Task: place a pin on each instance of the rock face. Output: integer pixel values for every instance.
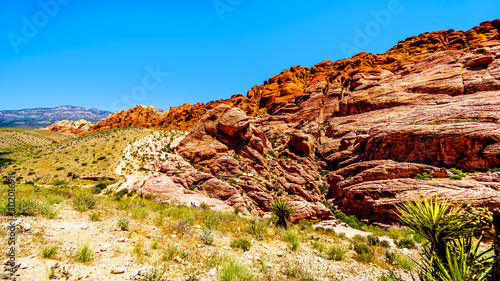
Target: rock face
(354, 133)
(353, 85)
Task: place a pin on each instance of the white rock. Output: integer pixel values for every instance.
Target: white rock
(118, 270)
(23, 265)
(212, 272)
(26, 226)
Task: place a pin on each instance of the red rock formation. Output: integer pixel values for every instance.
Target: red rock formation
(337, 89)
(374, 121)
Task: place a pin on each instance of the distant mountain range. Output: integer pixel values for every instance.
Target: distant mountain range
(42, 117)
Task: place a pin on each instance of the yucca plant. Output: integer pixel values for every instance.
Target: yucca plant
(437, 222)
(451, 254)
(282, 209)
(464, 261)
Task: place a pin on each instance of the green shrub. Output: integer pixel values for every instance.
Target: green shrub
(84, 253)
(373, 240)
(316, 244)
(101, 158)
(123, 223)
(50, 251)
(183, 226)
(385, 243)
(232, 271)
(95, 216)
(406, 243)
(207, 236)
(323, 187)
(306, 225)
(389, 277)
(351, 221)
(212, 219)
(140, 213)
(23, 207)
(423, 176)
(51, 200)
(98, 188)
(293, 239)
(84, 201)
(356, 239)
(119, 195)
(241, 243)
(365, 253)
(59, 168)
(390, 256)
(336, 253)
(153, 273)
(257, 228)
(170, 253)
(48, 211)
(404, 261)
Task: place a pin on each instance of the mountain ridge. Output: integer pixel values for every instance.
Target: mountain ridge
(44, 116)
(280, 92)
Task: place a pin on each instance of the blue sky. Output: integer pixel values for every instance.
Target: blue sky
(112, 54)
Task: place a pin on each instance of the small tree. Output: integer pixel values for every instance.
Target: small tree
(282, 209)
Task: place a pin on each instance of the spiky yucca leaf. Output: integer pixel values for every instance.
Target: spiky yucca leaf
(464, 262)
(437, 222)
(282, 209)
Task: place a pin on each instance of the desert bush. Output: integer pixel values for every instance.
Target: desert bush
(423, 176)
(50, 251)
(170, 253)
(408, 243)
(84, 201)
(98, 188)
(48, 211)
(365, 253)
(123, 223)
(153, 273)
(207, 236)
(336, 253)
(373, 240)
(385, 243)
(24, 207)
(241, 243)
(234, 271)
(95, 216)
(305, 225)
(351, 221)
(316, 244)
(389, 277)
(293, 239)
(84, 253)
(183, 226)
(139, 213)
(282, 209)
(257, 228)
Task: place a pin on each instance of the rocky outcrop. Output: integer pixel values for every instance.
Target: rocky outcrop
(371, 123)
(373, 189)
(416, 70)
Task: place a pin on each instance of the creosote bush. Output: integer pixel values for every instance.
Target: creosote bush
(336, 253)
(84, 201)
(241, 243)
(123, 223)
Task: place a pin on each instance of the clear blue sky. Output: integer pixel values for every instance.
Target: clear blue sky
(97, 53)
